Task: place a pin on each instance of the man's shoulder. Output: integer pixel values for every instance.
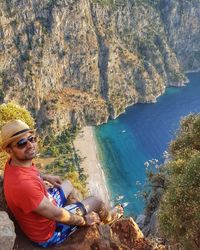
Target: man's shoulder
(20, 179)
(21, 172)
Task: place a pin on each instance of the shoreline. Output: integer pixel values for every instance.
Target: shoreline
(86, 145)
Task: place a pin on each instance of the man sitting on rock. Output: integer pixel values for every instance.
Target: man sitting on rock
(46, 216)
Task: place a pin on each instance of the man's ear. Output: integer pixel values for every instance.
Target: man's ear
(8, 150)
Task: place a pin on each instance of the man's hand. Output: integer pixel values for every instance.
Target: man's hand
(92, 218)
(54, 180)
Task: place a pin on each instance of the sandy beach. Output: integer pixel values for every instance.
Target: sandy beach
(86, 146)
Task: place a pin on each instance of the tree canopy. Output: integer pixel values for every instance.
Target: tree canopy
(12, 111)
(179, 212)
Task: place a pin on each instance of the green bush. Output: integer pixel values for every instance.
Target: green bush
(180, 207)
(179, 211)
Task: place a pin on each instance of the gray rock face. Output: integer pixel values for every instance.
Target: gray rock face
(151, 228)
(7, 232)
(181, 22)
(97, 58)
(140, 220)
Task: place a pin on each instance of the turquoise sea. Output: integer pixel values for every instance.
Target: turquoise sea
(142, 133)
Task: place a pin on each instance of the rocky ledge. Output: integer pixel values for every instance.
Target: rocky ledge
(124, 234)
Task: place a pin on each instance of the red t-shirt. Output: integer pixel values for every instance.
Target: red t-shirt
(24, 190)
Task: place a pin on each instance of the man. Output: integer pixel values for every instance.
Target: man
(42, 214)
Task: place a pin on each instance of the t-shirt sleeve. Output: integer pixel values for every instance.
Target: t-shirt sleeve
(29, 195)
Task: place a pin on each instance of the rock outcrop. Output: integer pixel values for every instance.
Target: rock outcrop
(124, 235)
(181, 18)
(3, 205)
(7, 232)
(83, 62)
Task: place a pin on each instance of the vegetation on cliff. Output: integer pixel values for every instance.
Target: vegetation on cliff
(65, 160)
(179, 214)
(176, 188)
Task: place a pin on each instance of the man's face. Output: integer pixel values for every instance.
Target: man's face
(24, 148)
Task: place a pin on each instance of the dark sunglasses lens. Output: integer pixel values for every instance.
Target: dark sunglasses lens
(32, 139)
(22, 143)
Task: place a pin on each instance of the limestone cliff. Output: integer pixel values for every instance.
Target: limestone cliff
(85, 61)
(181, 23)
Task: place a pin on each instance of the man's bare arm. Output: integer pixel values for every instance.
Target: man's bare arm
(54, 180)
(50, 211)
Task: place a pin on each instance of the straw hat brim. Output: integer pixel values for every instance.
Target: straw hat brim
(13, 138)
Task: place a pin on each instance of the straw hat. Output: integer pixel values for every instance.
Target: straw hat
(13, 130)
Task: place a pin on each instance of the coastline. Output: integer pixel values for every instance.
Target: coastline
(86, 145)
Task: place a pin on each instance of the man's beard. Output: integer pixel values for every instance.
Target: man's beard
(27, 156)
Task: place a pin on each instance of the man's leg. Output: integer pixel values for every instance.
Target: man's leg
(67, 187)
(94, 204)
(69, 191)
(91, 204)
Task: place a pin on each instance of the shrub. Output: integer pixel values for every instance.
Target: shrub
(179, 212)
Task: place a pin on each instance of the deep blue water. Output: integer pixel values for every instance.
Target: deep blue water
(142, 133)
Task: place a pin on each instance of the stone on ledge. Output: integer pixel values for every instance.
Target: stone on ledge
(7, 232)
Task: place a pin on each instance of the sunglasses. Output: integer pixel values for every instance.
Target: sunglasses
(23, 142)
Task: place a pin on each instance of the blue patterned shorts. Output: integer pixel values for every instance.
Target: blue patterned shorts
(62, 231)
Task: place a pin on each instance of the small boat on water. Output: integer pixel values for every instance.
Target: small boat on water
(120, 197)
(125, 204)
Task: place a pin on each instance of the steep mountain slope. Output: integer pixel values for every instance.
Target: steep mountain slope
(101, 56)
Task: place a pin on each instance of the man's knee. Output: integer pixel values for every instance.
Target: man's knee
(93, 203)
(97, 200)
(67, 187)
